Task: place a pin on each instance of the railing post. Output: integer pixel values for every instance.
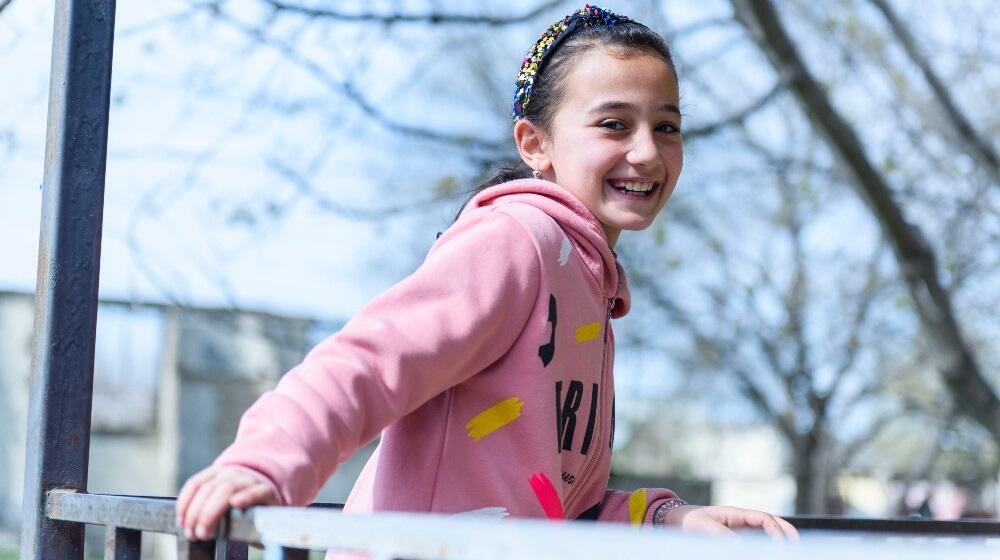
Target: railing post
(275, 552)
(58, 442)
(231, 550)
(122, 544)
(195, 550)
(227, 549)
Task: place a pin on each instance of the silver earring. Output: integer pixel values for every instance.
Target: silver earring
(536, 174)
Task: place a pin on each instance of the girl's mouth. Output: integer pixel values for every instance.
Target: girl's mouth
(638, 189)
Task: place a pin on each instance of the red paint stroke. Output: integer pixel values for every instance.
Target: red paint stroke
(547, 496)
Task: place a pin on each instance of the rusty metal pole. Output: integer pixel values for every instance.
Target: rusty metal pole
(69, 251)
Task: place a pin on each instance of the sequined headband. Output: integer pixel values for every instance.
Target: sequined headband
(586, 16)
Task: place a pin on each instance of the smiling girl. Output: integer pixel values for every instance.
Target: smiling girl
(488, 372)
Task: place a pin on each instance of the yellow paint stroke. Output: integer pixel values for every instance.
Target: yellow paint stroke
(588, 332)
(637, 506)
(494, 418)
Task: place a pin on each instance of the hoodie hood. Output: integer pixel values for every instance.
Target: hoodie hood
(577, 221)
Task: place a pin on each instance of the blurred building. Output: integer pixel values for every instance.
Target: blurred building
(743, 466)
(748, 466)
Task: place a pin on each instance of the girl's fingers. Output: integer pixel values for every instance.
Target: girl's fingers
(200, 488)
(711, 527)
(771, 528)
(189, 491)
(194, 508)
(790, 531)
(214, 507)
(772, 525)
(722, 521)
(257, 494)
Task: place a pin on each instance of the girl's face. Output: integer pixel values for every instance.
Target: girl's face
(615, 140)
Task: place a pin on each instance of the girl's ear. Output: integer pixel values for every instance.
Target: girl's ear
(532, 144)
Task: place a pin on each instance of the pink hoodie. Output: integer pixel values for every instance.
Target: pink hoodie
(489, 370)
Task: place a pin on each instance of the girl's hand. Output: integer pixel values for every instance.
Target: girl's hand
(208, 495)
(721, 520)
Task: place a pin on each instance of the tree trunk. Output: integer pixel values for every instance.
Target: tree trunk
(953, 358)
(804, 480)
(811, 482)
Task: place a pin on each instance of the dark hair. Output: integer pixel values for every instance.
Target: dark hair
(625, 39)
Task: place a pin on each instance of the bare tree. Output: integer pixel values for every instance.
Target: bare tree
(955, 359)
(758, 331)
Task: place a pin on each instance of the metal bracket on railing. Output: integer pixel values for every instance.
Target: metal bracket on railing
(122, 544)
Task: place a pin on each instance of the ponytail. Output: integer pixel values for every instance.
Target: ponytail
(499, 173)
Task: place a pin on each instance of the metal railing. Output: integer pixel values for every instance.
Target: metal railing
(289, 533)
(125, 518)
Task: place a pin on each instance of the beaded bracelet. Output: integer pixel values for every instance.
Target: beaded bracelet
(660, 515)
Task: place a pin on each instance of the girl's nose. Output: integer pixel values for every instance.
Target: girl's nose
(644, 152)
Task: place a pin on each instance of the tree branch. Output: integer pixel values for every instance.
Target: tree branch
(721, 356)
(797, 294)
(782, 420)
(432, 18)
(980, 148)
(304, 187)
(952, 355)
(865, 299)
(738, 117)
(858, 444)
(348, 90)
(692, 28)
(145, 26)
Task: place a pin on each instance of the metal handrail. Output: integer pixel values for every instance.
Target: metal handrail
(127, 517)
(287, 532)
(902, 526)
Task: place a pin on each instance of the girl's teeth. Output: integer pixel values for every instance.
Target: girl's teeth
(636, 187)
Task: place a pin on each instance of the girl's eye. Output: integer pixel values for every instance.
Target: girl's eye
(613, 125)
(669, 128)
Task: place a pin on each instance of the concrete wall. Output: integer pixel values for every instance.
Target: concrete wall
(16, 324)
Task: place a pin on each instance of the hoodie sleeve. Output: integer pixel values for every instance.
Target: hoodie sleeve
(458, 313)
(636, 508)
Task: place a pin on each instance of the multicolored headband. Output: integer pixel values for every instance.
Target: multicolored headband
(556, 33)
